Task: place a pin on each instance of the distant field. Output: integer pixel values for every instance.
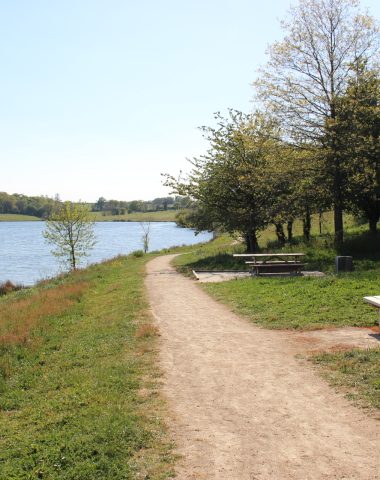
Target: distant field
(164, 216)
(11, 217)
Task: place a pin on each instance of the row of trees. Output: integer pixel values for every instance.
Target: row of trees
(313, 142)
(43, 206)
(22, 204)
(117, 207)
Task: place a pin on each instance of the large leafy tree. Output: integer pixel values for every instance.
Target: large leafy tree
(357, 129)
(309, 70)
(231, 183)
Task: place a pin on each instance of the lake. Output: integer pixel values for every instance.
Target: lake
(25, 256)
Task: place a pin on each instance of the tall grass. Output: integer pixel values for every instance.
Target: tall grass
(19, 316)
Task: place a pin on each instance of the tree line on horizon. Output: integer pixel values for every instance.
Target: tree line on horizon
(43, 206)
(312, 143)
(120, 207)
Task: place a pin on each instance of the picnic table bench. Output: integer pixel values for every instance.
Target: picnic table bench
(266, 263)
(375, 302)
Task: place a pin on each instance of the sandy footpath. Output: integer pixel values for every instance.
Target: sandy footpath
(243, 406)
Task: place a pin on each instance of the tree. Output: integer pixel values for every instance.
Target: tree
(99, 204)
(357, 129)
(71, 230)
(145, 227)
(309, 69)
(231, 183)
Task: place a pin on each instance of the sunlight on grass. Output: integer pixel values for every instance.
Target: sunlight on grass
(356, 370)
(71, 401)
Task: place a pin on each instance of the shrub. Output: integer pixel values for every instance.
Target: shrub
(9, 287)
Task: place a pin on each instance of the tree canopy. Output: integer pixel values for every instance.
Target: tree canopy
(70, 230)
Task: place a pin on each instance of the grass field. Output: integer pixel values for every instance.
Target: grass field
(9, 217)
(297, 302)
(78, 379)
(164, 216)
(301, 303)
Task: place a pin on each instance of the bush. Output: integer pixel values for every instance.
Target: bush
(9, 287)
(138, 253)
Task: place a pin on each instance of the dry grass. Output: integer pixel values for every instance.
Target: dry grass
(19, 316)
(147, 330)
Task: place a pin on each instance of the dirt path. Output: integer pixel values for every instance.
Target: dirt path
(243, 406)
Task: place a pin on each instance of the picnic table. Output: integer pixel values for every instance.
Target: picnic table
(375, 302)
(264, 263)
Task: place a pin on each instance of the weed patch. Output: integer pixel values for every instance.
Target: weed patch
(356, 371)
(147, 330)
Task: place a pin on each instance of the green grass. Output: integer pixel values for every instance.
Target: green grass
(215, 255)
(12, 217)
(355, 371)
(301, 303)
(297, 302)
(164, 216)
(78, 390)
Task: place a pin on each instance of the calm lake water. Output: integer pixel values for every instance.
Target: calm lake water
(25, 256)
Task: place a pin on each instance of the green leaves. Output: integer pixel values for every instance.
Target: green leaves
(71, 230)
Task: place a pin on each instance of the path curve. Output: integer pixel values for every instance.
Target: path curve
(243, 406)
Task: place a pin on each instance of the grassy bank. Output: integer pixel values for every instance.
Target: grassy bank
(10, 217)
(163, 216)
(78, 379)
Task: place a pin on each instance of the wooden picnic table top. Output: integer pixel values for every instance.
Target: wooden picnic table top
(375, 300)
(258, 255)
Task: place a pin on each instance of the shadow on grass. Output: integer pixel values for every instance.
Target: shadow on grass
(320, 251)
(319, 254)
(220, 261)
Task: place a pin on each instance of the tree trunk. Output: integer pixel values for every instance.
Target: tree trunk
(280, 234)
(251, 242)
(320, 218)
(289, 227)
(338, 203)
(338, 226)
(307, 225)
(73, 260)
(372, 221)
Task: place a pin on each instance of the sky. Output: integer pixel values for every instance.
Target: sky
(99, 97)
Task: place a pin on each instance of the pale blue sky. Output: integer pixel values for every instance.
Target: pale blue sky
(98, 97)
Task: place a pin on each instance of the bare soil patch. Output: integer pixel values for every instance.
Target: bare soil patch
(336, 339)
(244, 407)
